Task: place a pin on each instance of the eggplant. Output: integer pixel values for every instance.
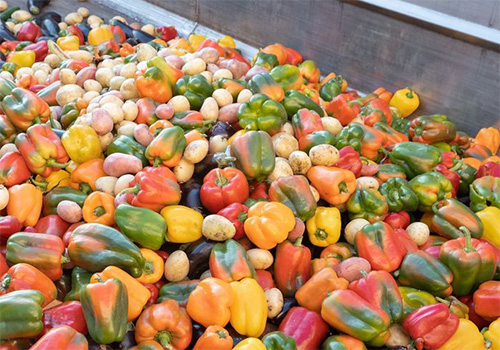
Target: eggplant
(191, 195)
(46, 38)
(50, 27)
(198, 253)
(2, 56)
(221, 128)
(63, 286)
(142, 37)
(202, 168)
(5, 33)
(85, 30)
(288, 303)
(128, 30)
(35, 6)
(52, 15)
(132, 41)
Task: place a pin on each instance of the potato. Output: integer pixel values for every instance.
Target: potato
(274, 299)
(148, 28)
(128, 89)
(325, 154)
(52, 60)
(229, 113)
(179, 103)
(123, 183)
(236, 67)
(3, 5)
(367, 182)
(21, 16)
(145, 52)
(315, 193)
(67, 76)
(299, 162)
(287, 128)
(184, 171)
(222, 73)
(92, 85)
(194, 66)
(114, 110)
(351, 268)
(103, 76)
(205, 275)
(118, 164)
(418, 232)
(218, 143)
(116, 83)
(210, 55)
(83, 11)
(164, 111)
(176, 266)
(210, 109)
(69, 211)
(260, 259)
(126, 128)
(102, 122)
(398, 337)
(244, 96)
(208, 75)
(217, 228)
(223, 97)
(105, 140)
(284, 144)
(352, 229)
(80, 55)
(128, 70)
(196, 151)
(332, 125)
(68, 93)
(297, 231)
(142, 134)
(281, 168)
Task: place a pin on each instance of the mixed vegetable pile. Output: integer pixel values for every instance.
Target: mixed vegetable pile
(160, 192)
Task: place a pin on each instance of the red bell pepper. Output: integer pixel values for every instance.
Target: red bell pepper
(147, 108)
(75, 30)
(236, 213)
(398, 220)
(344, 108)
(259, 190)
(305, 122)
(62, 337)
(24, 108)
(306, 327)
(293, 56)
(486, 300)
(3, 265)
(292, 266)
(8, 226)
(405, 240)
(265, 279)
(473, 316)
(29, 32)
(153, 289)
(13, 169)
(430, 326)
(488, 169)
(349, 159)
(52, 225)
(222, 187)
(69, 313)
(212, 44)
(376, 110)
(452, 176)
(41, 49)
(118, 34)
(166, 33)
(69, 231)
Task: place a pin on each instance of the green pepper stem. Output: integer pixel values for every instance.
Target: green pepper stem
(320, 234)
(157, 162)
(343, 187)
(85, 188)
(220, 181)
(242, 216)
(148, 268)
(64, 260)
(51, 163)
(363, 273)
(221, 334)
(99, 211)
(468, 239)
(444, 301)
(409, 94)
(134, 189)
(298, 242)
(435, 206)
(165, 339)
(42, 184)
(6, 282)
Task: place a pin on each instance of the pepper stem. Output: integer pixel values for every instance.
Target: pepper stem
(221, 334)
(320, 234)
(343, 187)
(148, 268)
(444, 301)
(242, 216)
(165, 339)
(99, 211)
(436, 206)
(157, 162)
(85, 188)
(220, 181)
(409, 94)
(6, 282)
(363, 273)
(51, 163)
(42, 184)
(468, 239)
(64, 260)
(298, 242)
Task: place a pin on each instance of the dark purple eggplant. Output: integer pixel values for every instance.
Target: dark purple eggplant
(35, 6)
(221, 128)
(50, 27)
(2, 56)
(191, 195)
(198, 253)
(288, 303)
(52, 15)
(85, 30)
(46, 38)
(63, 286)
(5, 33)
(202, 168)
(132, 41)
(142, 37)
(128, 30)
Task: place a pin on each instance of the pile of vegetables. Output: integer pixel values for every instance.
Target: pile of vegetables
(160, 192)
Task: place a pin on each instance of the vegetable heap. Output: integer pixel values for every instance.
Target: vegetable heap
(160, 192)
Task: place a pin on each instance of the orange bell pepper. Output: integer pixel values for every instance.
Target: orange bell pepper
(383, 94)
(25, 203)
(335, 185)
(159, 125)
(194, 135)
(268, 223)
(99, 208)
(126, 50)
(278, 50)
(473, 162)
(318, 287)
(85, 175)
(489, 137)
(214, 338)
(210, 302)
(153, 269)
(321, 263)
(138, 295)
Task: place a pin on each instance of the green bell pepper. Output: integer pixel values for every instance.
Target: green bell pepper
(295, 193)
(331, 89)
(432, 128)
(431, 187)
(79, 278)
(485, 192)
(59, 194)
(279, 341)
(401, 125)
(414, 298)
(254, 153)
(7, 131)
(266, 60)
(287, 76)
(69, 113)
(263, 83)
(399, 195)
(450, 215)
(6, 87)
(351, 135)
(367, 204)
(195, 88)
(387, 171)
(21, 314)
(415, 158)
(316, 138)
(127, 145)
(141, 225)
(467, 175)
(262, 113)
(295, 100)
(178, 291)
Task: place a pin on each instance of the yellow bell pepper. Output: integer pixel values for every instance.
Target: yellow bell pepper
(249, 310)
(250, 344)
(138, 295)
(489, 218)
(406, 101)
(183, 223)
(58, 178)
(492, 335)
(99, 35)
(324, 227)
(181, 44)
(236, 134)
(82, 143)
(69, 43)
(467, 337)
(195, 40)
(227, 41)
(22, 58)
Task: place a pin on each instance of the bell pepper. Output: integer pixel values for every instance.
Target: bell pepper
(471, 261)
(93, 247)
(250, 344)
(13, 169)
(254, 153)
(79, 278)
(69, 314)
(81, 143)
(350, 136)
(68, 43)
(452, 176)
(214, 338)
(379, 244)
(189, 120)
(8, 226)
(467, 175)
(263, 83)
(316, 138)
(137, 294)
(229, 262)
(236, 213)
(62, 337)
(25, 203)
(99, 207)
(431, 187)
(450, 215)
(183, 223)
(318, 287)
(69, 113)
(305, 122)
(178, 291)
(430, 326)
(7, 130)
(376, 111)
(332, 88)
(489, 137)
(343, 342)
(287, 76)
(392, 136)
(335, 185)
(222, 187)
(414, 298)
(127, 145)
(106, 317)
(488, 169)
(399, 195)
(210, 302)
(296, 100)
(6, 87)
(24, 108)
(307, 328)
(457, 307)
(324, 227)
(154, 84)
(154, 267)
(293, 57)
(85, 175)
(266, 60)
(57, 195)
(310, 72)
(349, 160)
(343, 107)
(486, 300)
(234, 86)
(415, 158)
(492, 335)
(388, 171)
(371, 142)
(42, 251)
(380, 289)
(249, 310)
(485, 192)
(279, 341)
(195, 88)
(349, 313)
(477, 151)
(421, 270)
(167, 147)
(294, 192)
(166, 323)
(292, 266)
(59, 178)
(22, 58)
(406, 101)
(21, 314)
(489, 218)
(268, 223)
(368, 204)
(432, 128)
(262, 113)
(27, 277)
(466, 337)
(141, 225)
